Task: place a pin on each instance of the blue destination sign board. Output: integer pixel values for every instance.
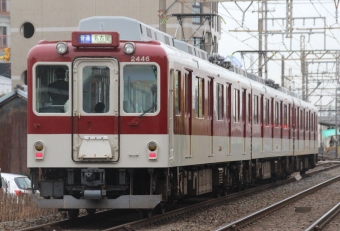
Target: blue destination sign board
(94, 38)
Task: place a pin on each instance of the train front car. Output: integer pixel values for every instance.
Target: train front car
(97, 106)
(125, 116)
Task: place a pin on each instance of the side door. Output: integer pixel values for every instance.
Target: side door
(95, 111)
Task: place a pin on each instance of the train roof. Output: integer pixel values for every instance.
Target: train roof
(131, 29)
(262, 88)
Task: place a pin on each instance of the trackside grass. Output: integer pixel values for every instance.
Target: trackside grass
(15, 208)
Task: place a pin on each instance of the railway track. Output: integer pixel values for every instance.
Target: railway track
(270, 209)
(161, 218)
(323, 221)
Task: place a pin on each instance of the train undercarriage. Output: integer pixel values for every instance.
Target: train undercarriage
(146, 189)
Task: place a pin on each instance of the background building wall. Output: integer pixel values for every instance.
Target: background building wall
(55, 20)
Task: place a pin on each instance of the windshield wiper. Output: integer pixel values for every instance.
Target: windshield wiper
(147, 110)
(154, 97)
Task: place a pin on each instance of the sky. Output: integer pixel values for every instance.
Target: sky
(307, 14)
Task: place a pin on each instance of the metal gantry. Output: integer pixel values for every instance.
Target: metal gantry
(317, 85)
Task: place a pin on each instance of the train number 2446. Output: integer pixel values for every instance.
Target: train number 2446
(140, 58)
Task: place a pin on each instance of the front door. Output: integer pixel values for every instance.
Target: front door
(95, 110)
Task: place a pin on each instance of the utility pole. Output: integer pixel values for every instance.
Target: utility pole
(336, 121)
(337, 104)
(283, 71)
(265, 39)
(260, 30)
(289, 19)
(162, 15)
(304, 68)
(288, 31)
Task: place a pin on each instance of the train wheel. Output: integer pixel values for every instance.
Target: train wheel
(218, 192)
(161, 208)
(246, 186)
(91, 211)
(303, 172)
(239, 188)
(147, 213)
(73, 213)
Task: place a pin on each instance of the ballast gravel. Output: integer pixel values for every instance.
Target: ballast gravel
(286, 219)
(297, 216)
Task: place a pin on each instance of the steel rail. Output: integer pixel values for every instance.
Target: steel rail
(325, 219)
(274, 207)
(200, 206)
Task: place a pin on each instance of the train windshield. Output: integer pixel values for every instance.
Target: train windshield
(52, 88)
(140, 89)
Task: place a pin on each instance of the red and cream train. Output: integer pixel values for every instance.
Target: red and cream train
(173, 123)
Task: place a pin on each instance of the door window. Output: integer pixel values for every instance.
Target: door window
(96, 89)
(199, 97)
(219, 90)
(177, 91)
(236, 105)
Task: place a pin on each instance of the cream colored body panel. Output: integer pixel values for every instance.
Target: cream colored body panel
(133, 152)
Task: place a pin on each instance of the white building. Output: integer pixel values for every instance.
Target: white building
(5, 85)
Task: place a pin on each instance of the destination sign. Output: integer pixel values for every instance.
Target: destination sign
(95, 39)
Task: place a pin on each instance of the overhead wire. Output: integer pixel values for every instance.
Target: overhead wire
(253, 36)
(330, 30)
(334, 37)
(309, 43)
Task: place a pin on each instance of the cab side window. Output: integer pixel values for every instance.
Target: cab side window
(51, 88)
(140, 89)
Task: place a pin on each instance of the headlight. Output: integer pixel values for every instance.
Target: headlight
(39, 150)
(152, 146)
(61, 47)
(129, 48)
(39, 146)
